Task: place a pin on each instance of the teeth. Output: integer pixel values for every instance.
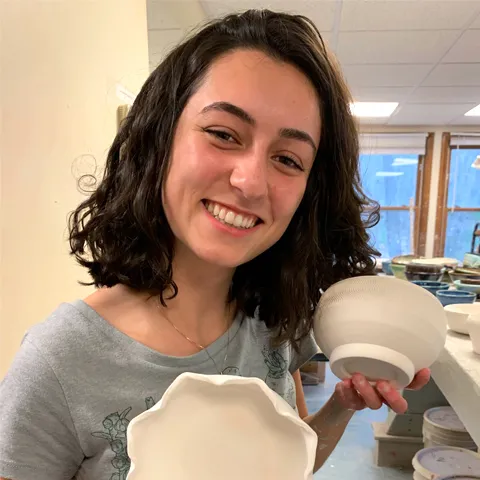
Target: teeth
(229, 217)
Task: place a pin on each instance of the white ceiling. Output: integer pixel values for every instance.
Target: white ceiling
(424, 54)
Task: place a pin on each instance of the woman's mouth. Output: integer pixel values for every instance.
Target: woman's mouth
(229, 217)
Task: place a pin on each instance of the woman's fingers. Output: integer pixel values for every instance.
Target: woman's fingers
(421, 379)
(366, 391)
(392, 396)
(348, 395)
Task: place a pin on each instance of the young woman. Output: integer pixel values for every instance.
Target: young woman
(231, 196)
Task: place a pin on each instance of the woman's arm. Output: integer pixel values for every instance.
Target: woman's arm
(328, 423)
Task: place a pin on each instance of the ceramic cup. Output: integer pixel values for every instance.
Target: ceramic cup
(449, 297)
(432, 287)
(473, 326)
(382, 327)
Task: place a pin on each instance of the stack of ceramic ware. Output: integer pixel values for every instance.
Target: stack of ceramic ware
(426, 272)
(446, 462)
(364, 325)
(441, 426)
(399, 263)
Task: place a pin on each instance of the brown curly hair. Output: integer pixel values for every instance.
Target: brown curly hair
(121, 234)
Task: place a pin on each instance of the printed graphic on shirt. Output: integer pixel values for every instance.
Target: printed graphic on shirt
(277, 377)
(115, 432)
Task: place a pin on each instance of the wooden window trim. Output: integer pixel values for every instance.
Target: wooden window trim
(441, 218)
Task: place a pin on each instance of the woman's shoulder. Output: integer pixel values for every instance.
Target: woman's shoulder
(67, 329)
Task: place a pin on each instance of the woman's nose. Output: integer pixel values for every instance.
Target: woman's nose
(249, 176)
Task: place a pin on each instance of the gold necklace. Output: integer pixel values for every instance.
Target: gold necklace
(202, 347)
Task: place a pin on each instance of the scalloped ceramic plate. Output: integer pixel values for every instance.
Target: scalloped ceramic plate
(213, 427)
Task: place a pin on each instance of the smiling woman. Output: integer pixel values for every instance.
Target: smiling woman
(230, 199)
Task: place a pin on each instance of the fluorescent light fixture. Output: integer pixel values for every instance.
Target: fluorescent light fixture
(400, 162)
(373, 109)
(476, 163)
(474, 112)
(389, 174)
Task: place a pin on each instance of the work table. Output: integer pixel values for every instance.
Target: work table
(457, 375)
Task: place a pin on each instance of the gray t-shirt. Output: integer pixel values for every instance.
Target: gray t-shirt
(77, 382)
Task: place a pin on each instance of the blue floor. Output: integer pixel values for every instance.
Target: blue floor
(354, 456)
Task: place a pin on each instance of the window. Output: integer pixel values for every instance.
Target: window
(459, 202)
(392, 173)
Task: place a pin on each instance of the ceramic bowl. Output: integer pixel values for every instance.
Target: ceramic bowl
(398, 271)
(456, 275)
(469, 271)
(471, 260)
(438, 261)
(365, 325)
(387, 267)
(432, 287)
(449, 297)
(473, 327)
(404, 259)
(473, 288)
(423, 276)
(213, 427)
(457, 316)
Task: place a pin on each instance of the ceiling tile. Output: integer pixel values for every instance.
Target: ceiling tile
(467, 48)
(445, 95)
(463, 120)
(380, 94)
(428, 114)
(455, 75)
(321, 12)
(413, 15)
(385, 75)
(394, 47)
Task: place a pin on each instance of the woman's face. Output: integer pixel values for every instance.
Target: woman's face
(242, 152)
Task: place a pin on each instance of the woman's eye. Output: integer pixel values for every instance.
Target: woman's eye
(289, 162)
(221, 135)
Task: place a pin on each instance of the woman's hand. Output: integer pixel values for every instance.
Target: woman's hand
(356, 393)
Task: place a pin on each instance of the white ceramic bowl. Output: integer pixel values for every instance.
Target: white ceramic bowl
(213, 427)
(457, 315)
(473, 326)
(382, 327)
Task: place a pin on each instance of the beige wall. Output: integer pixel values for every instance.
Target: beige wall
(60, 64)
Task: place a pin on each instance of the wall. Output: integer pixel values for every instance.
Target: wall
(59, 69)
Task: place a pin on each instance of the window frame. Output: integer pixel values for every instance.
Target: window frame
(442, 197)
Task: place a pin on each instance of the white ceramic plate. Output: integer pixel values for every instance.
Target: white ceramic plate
(214, 427)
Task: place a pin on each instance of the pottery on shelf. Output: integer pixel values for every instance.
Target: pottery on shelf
(213, 427)
(423, 276)
(438, 261)
(382, 327)
(404, 259)
(459, 275)
(437, 462)
(457, 316)
(387, 267)
(473, 327)
(449, 297)
(471, 260)
(468, 287)
(398, 270)
(432, 287)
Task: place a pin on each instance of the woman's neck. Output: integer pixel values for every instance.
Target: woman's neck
(202, 299)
